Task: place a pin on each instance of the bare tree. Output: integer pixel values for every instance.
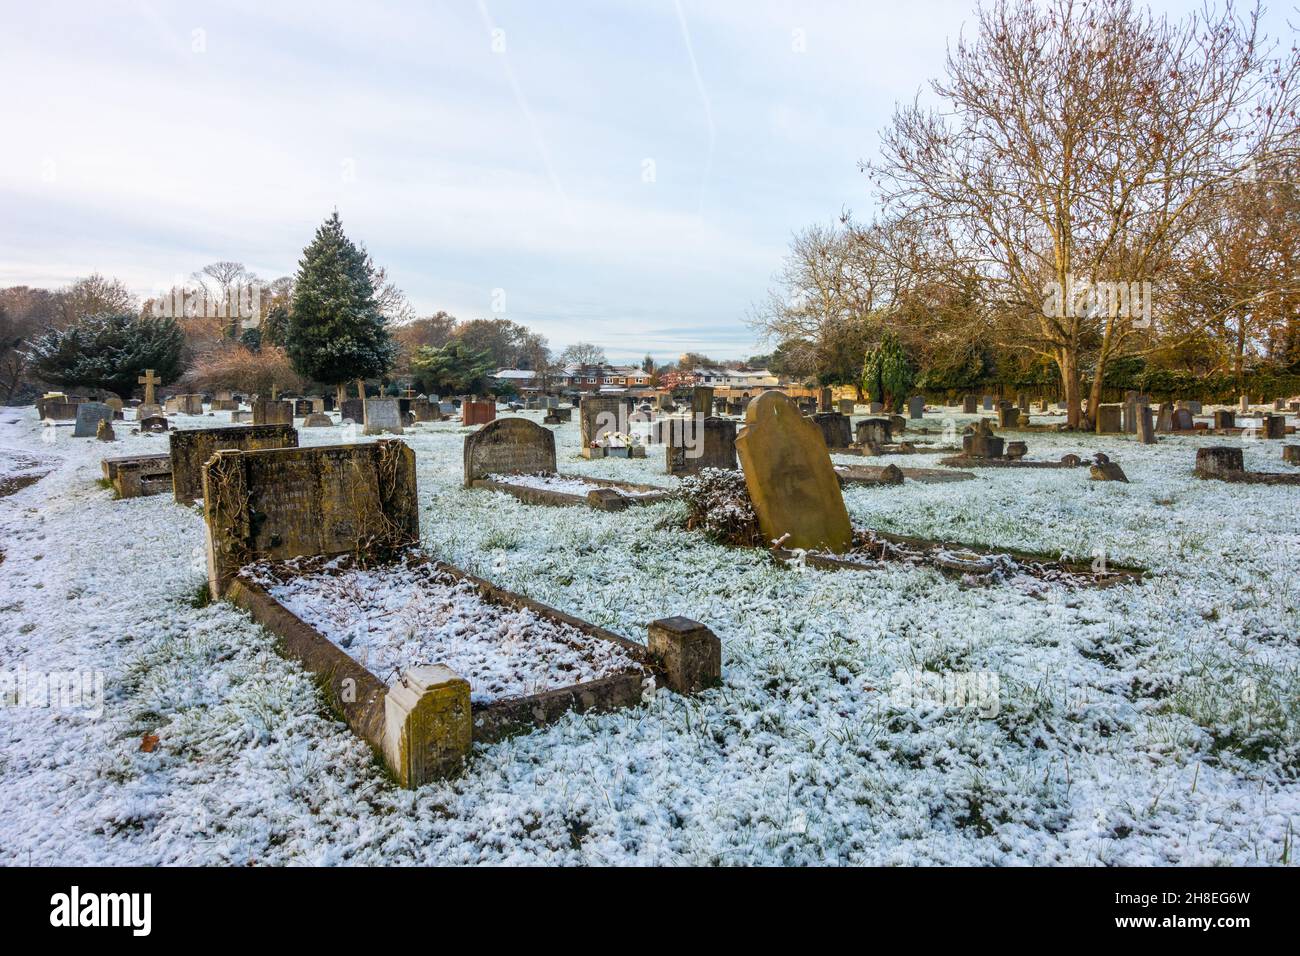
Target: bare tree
(582, 353)
(1077, 143)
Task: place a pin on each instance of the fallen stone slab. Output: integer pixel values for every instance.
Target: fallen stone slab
(873, 474)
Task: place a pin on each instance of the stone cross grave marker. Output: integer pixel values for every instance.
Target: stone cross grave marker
(790, 478)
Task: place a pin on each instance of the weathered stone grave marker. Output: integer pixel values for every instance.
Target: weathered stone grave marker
(282, 503)
(790, 478)
(382, 415)
(89, 415)
(509, 446)
(190, 448)
(714, 445)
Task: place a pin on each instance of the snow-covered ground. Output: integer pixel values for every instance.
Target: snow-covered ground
(1143, 725)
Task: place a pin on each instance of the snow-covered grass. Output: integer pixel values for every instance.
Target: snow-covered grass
(1144, 725)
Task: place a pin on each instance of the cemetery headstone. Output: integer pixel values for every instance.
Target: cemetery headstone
(318, 420)
(268, 412)
(509, 446)
(969, 405)
(980, 442)
(334, 499)
(988, 403)
(1224, 418)
(149, 407)
(1219, 461)
(1108, 419)
(1274, 426)
(847, 406)
(714, 445)
(191, 447)
(1146, 428)
(1182, 419)
(353, 410)
(1008, 416)
(874, 431)
(1165, 422)
(601, 415)
(89, 415)
(477, 413)
(154, 423)
(701, 400)
(916, 407)
(383, 415)
(791, 482)
(836, 430)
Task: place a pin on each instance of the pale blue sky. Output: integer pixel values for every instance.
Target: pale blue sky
(146, 139)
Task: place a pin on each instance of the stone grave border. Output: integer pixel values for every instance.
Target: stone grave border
(682, 655)
(138, 476)
(593, 498)
(1117, 573)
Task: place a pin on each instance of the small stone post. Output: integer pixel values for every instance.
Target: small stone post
(428, 729)
(687, 652)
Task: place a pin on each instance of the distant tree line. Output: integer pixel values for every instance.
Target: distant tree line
(1089, 196)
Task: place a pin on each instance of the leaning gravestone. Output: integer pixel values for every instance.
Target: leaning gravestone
(791, 481)
(383, 415)
(191, 447)
(89, 415)
(836, 429)
(282, 503)
(509, 446)
(714, 445)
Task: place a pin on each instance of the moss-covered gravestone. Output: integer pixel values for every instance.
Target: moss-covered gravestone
(191, 447)
(790, 478)
(285, 503)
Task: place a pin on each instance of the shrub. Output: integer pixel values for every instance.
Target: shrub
(717, 503)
